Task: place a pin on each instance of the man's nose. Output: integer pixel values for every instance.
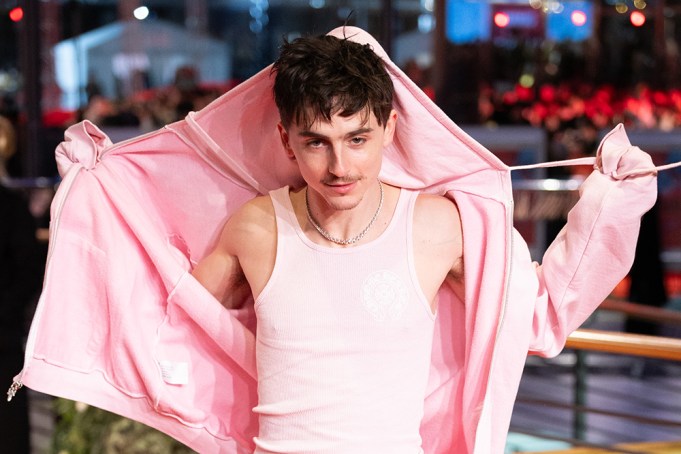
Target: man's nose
(337, 162)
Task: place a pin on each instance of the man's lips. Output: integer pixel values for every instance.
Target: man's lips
(341, 188)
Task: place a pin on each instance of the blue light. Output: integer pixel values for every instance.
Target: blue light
(559, 26)
(467, 21)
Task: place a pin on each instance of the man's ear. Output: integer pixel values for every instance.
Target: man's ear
(390, 128)
(283, 135)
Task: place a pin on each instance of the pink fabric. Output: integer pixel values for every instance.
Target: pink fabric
(123, 326)
(343, 342)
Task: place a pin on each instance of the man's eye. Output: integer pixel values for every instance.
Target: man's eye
(314, 143)
(358, 140)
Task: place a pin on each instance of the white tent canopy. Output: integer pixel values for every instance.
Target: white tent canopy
(113, 55)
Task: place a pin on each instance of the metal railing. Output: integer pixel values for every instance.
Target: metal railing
(586, 341)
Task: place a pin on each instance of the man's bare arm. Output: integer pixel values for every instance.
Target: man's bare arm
(438, 243)
(221, 273)
(243, 259)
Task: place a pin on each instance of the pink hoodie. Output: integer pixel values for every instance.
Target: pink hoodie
(122, 325)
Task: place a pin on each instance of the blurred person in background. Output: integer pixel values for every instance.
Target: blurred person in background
(647, 273)
(19, 282)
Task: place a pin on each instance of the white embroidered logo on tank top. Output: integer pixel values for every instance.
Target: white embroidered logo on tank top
(384, 295)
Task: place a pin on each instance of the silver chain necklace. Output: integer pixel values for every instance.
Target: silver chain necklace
(341, 241)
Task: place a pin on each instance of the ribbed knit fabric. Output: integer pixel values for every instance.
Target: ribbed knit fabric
(343, 342)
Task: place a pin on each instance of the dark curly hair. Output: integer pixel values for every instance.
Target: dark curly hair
(317, 77)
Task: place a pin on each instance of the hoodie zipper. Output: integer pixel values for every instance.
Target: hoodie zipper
(509, 207)
(64, 189)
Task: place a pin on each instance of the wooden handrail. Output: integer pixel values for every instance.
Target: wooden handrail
(642, 311)
(625, 344)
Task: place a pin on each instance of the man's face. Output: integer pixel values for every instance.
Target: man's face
(340, 159)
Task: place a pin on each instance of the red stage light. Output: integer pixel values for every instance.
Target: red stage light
(637, 18)
(16, 14)
(501, 20)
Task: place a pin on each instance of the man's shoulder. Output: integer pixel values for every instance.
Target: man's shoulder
(259, 207)
(253, 219)
(436, 205)
(262, 203)
(436, 215)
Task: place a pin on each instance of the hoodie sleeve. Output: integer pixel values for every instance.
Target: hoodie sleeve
(595, 249)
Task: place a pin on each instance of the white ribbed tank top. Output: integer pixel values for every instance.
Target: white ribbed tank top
(343, 342)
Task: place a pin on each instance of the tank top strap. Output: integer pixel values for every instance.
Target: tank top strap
(283, 211)
(403, 216)
(406, 203)
(409, 202)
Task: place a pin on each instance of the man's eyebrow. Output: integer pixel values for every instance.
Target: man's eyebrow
(316, 135)
(308, 133)
(359, 131)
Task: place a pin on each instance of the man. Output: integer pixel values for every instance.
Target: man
(354, 372)
(343, 331)
(331, 379)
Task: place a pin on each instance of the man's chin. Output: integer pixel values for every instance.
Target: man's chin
(342, 203)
